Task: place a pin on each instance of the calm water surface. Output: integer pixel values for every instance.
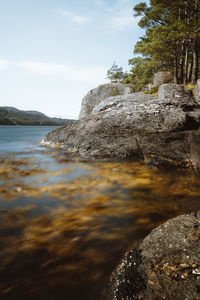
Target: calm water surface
(66, 222)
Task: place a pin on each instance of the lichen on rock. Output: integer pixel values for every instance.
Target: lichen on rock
(95, 96)
(165, 265)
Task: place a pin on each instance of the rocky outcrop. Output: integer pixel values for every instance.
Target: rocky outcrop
(197, 91)
(161, 130)
(165, 265)
(95, 96)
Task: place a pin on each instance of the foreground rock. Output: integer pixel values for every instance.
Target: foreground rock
(161, 130)
(165, 265)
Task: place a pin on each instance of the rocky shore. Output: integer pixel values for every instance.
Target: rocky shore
(160, 129)
(165, 265)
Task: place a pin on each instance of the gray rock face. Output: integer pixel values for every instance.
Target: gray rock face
(161, 78)
(165, 265)
(163, 130)
(94, 97)
(197, 91)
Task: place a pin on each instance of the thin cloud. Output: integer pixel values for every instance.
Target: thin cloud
(122, 22)
(101, 3)
(119, 17)
(5, 64)
(94, 74)
(42, 68)
(72, 17)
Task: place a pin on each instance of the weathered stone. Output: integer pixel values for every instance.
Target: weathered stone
(177, 95)
(95, 96)
(137, 126)
(165, 265)
(197, 91)
(161, 78)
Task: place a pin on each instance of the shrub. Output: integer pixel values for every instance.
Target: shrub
(115, 92)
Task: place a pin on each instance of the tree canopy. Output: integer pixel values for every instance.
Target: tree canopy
(115, 73)
(171, 43)
(172, 37)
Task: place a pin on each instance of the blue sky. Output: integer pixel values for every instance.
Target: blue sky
(54, 51)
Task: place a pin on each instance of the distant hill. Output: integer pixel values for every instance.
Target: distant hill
(13, 116)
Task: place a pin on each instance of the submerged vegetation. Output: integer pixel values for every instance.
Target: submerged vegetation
(67, 219)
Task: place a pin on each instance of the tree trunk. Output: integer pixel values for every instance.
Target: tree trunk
(181, 62)
(195, 71)
(176, 66)
(190, 69)
(186, 64)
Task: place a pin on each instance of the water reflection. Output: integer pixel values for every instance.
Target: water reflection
(65, 223)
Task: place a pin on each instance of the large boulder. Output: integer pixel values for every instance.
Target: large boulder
(162, 77)
(160, 130)
(159, 79)
(95, 96)
(165, 265)
(197, 91)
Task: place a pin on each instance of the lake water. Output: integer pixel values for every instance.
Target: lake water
(66, 222)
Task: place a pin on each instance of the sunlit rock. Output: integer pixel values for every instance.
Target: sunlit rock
(157, 129)
(95, 96)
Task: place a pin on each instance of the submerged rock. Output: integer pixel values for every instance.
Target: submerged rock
(165, 265)
(161, 130)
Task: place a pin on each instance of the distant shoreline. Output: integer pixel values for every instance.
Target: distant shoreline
(18, 125)
(11, 116)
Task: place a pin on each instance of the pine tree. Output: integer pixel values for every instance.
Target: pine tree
(172, 36)
(115, 73)
(140, 74)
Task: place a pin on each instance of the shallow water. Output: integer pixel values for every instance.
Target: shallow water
(66, 222)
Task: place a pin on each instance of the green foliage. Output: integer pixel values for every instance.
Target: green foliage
(13, 116)
(115, 92)
(141, 73)
(171, 43)
(115, 73)
(172, 36)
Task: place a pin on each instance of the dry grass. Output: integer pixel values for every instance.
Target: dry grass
(190, 86)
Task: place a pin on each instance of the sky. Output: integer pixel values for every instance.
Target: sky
(54, 51)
